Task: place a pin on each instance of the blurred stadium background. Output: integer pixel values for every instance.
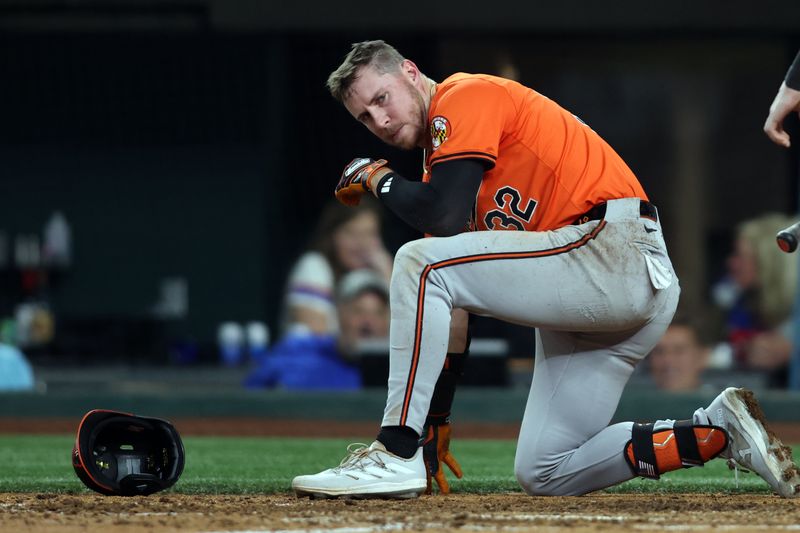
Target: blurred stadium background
(189, 145)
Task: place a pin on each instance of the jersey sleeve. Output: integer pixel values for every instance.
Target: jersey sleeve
(468, 122)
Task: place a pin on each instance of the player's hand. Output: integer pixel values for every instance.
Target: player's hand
(435, 451)
(357, 178)
(786, 101)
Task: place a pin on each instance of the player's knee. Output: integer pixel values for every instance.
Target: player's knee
(410, 258)
(534, 484)
(527, 480)
(534, 478)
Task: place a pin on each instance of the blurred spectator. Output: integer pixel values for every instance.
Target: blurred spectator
(345, 239)
(327, 360)
(363, 310)
(678, 360)
(757, 296)
(16, 373)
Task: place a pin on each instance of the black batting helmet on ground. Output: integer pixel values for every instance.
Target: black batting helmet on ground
(121, 454)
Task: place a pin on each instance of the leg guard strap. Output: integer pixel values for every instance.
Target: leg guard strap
(687, 444)
(643, 459)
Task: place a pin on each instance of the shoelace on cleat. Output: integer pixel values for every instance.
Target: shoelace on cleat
(357, 452)
(736, 467)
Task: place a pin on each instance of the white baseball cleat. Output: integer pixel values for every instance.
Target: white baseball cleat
(367, 472)
(752, 444)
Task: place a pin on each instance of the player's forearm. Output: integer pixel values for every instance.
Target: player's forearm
(441, 207)
(421, 206)
(793, 75)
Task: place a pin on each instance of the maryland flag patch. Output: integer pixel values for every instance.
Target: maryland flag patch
(440, 129)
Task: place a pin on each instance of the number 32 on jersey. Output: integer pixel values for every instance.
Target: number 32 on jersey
(510, 213)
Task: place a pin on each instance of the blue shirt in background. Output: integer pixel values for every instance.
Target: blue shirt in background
(305, 362)
(16, 373)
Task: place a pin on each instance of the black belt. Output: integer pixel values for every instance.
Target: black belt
(646, 210)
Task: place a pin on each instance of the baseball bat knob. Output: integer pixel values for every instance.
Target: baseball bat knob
(787, 242)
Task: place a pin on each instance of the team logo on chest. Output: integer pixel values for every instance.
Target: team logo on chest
(440, 129)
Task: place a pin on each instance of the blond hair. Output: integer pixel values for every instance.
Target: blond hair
(382, 57)
(777, 271)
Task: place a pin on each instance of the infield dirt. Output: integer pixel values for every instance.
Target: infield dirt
(495, 512)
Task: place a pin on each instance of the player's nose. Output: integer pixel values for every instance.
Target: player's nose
(382, 119)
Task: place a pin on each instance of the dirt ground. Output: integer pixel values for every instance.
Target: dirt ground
(497, 512)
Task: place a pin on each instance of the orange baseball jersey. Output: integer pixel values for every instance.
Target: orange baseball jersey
(545, 166)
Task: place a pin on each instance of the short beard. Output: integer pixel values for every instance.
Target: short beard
(421, 115)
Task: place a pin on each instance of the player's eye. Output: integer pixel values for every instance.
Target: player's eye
(382, 98)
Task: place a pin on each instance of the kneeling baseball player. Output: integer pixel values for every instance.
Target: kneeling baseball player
(586, 265)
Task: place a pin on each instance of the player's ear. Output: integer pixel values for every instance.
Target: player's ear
(410, 70)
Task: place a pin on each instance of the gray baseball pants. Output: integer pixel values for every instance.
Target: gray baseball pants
(601, 295)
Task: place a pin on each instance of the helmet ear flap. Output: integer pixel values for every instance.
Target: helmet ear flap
(122, 454)
(85, 477)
